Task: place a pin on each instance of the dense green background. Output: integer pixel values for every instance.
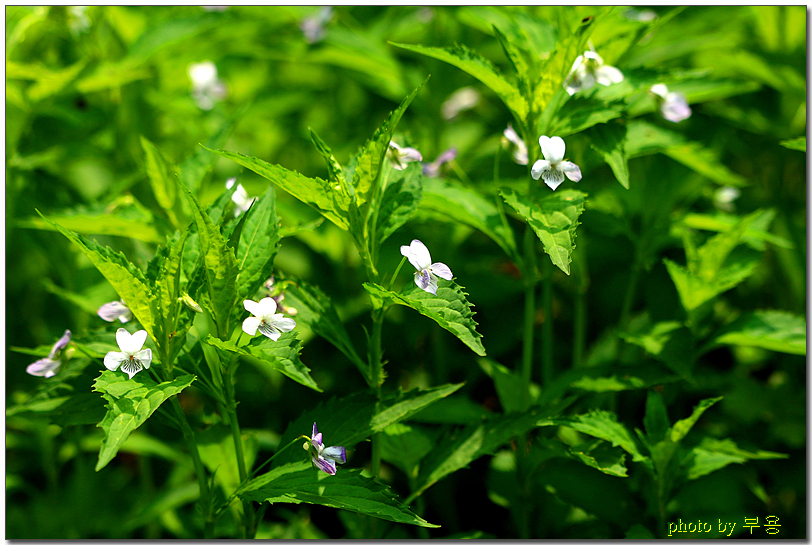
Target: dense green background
(81, 90)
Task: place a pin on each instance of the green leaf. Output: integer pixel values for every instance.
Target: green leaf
(171, 330)
(318, 193)
(798, 144)
(347, 489)
(217, 452)
(159, 174)
(72, 410)
(656, 420)
(130, 402)
(513, 391)
(404, 446)
(316, 311)
(479, 67)
(107, 224)
(603, 425)
(581, 112)
(282, 355)
(259, 243)
(681, 428)
(712, 454)
(334, 170)
(471, 208)
(126, 279)
(770, 329)
(599, 455)
(400, 199)
(449, 308)
(608, 140)
(553, 218)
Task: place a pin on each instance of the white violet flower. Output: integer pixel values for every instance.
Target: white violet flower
(207, 88)
(589, 69)
(513, 140)
(313, 26)
(459, 101)
(427, 272)
(114, 310)
(400, 156)
(131, 359)
(673, 105)
(47, 367)
(265, 318)
(553, 168)
(240, 197)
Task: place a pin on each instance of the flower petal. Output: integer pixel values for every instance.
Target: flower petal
(114, 359)
(60, 344)
(282, 323)
(328, 466)
(339, 454)
(659, 89)
(608, 75)
(422, 279)
(417, 254)
(114, 310)
(432, 287)
(137, 341)
(267, 307)
(46, 367)
(442, 270)
(675, 107)
(539, 167)
(145, 356)
(552, 148)
(250, 325)
(252, 307)
(553, 178)
(315, 437)
(123, 339)
(571, 170)
(131, 366)
(270, 331)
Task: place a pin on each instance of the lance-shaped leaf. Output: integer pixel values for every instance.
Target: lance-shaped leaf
(259, 243)
(608, 140)
(171, 329)
(553, 218)
(126, 278)
(220, 266)
(282, 355)
(159, 174)
(770, 329)
(347, 489)
(479, 67)
(112, 224)
(681, 428)
(449, 308)
(368, 166)
(318, 193)
(603, 425)
(400, 199)
(712, 454)
(130, 402)
(316, 311)
(334, 171)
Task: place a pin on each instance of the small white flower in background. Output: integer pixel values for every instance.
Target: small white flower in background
(401, 156)
(131, 359)
(79, 21)
(553, 168)
(313, 27)
(642, 15)
(459, 101)
(265, 318)
(240, 197)
(432, 170)
(512, 140)
(589, 69)
(207, 88)
(47, 367)
(724, 196)
(673, 105)
(215, 8)
(427, 272)
(114, 310)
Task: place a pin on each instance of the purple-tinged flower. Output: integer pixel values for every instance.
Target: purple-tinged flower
(673, 105)
(589, 69)
(131, 359)
(47, 367)
(240, 197)
(459, 101)
(401, 156)
(313, 27)
(553, 168)
(207, 88)
(265, 318)
(432, 170)
(114, 310)
(427, 272)
(512, 140)
(325, 458)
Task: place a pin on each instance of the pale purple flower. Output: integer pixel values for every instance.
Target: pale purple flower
(589, 69)
(313, 27)
(131, 359)
(512, 140)
(240, 197)
(325, 458)
(207, 88)
(399, 157)
(115, 310)
(266, 319)
(553, 168)
(427, 272)
(459, 101)
(47, 367)
(432, 170)
(673, 105)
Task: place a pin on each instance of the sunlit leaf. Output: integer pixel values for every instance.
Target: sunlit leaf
(608, 140)
(681, 428)
(713, 454)
(603, 425)
(770, 329)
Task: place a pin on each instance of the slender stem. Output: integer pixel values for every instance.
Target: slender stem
(231, 408)
(392, 281)
(529, 304)
(376, 366)
(202, 480)
(547, 364)
(579, 335)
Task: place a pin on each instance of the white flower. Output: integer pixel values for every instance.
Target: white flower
(460, 100)
(265, 318)
(553, 168)
(642, 15)
(131, 359)
(589, 69)
(240, 197)
(519, 148)
(313, 27)
(673, 105)
(47, 367)
(400, 156)
(206, 87)
(724, 196)
(427, 272)
(113, 310)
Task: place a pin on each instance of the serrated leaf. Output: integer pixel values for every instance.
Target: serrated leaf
(318, 193)
(769, 329)
(581, 112)
(798, 144)
(159, 174)
(553, 218)
(347, 489)
(259, 243)
(599, 455)
(130, 402)
(603, 425)
(334, 170)
(400, 199)
(479, 67)
(713, 454)
(681, 428)
(174, 323)
(316, 311)
(468, 206)
(694, 290)
(449, 308)
(608, 139)
(282, 355)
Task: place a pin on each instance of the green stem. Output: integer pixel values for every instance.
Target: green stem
(579, 335)
(529, 274)
(376, 367)
(231, 408)
(547, 368)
